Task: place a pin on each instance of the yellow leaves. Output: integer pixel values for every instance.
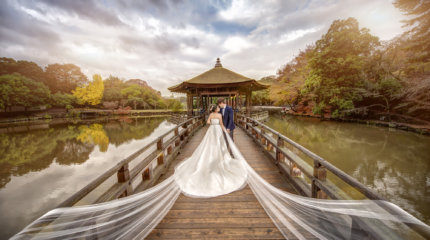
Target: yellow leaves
(92, 93)
(94, 134)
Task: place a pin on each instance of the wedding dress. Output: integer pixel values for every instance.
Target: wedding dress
(211, 170)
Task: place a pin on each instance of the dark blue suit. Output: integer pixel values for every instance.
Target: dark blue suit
(227, 119)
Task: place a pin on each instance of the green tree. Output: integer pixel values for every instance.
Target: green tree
(17, 90)
(25, 68)
(39, 93)
(387, 89)
(133, 94)
(337, 66)
(64, 77)
(113, 86)
(63, 100)
(92, 93)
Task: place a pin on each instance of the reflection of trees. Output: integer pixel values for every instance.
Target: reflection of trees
(21, 153)
(120, 132)
(72, 151)
(94, 134)
(394, 163)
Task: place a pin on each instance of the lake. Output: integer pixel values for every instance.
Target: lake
(42, 164)
(395, 163)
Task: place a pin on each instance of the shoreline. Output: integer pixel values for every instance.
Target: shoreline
(424, 130)
(83, 114)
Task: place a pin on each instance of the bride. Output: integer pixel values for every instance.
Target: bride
(211, 170)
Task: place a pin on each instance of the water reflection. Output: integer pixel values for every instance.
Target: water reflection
(394, 163)
(40, 168)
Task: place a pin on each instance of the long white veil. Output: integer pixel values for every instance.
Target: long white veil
(297, 217)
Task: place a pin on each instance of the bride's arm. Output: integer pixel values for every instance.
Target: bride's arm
(209, 119)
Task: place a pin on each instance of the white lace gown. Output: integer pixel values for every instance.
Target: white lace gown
(211, 170)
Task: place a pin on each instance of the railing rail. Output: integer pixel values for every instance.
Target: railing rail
(260, 115)
(165, 151)
(320, 187)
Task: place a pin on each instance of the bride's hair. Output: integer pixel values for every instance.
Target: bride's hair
(212, 108)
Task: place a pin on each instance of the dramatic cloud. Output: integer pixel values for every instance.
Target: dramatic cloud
(165, 42)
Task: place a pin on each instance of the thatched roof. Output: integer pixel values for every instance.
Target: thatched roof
(216, 77)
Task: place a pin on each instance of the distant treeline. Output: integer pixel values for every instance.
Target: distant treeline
(351, 73)
(25, 84)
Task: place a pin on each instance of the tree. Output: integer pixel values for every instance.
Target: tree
(337, 66)
(387, 89)
(39, 93)
(113, 87)
(17, 90)
(9, 91)
(419, 25)
(92, 93)
(291, 80)
(25, 68)
(133, 94)
(63, 100)
(64, 77)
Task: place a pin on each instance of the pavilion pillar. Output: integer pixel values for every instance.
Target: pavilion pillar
(189, 105)
(248, 103)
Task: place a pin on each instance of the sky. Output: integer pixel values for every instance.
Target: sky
(166, 42)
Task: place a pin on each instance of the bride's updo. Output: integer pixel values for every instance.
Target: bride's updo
(212, 108)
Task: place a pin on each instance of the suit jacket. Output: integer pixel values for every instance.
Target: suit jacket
(227, 118)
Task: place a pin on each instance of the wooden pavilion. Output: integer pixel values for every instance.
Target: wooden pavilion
(205, 88)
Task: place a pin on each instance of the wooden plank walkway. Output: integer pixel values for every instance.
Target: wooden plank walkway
(237, 215)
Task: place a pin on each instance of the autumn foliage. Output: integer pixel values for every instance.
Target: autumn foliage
(349, 72)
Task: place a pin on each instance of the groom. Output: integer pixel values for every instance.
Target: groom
(227, 116)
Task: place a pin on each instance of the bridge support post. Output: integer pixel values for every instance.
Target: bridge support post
(320, 173)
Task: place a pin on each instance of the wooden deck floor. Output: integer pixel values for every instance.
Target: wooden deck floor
(238, 215)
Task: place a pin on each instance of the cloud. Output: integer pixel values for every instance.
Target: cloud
(168, 41)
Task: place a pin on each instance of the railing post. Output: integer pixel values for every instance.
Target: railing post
(177, 134)
(279, 155)
(123, 173)
(262, 132)
(146, 175)
(320, 173)
(160, 159)
(160, 144)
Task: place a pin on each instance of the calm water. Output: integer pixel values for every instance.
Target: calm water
(395, 163)
(40, 168)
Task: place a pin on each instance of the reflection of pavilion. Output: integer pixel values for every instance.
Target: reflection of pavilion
(205, 88)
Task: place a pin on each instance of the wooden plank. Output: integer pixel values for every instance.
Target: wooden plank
(217, 233)
(216, 213)
(218, 222)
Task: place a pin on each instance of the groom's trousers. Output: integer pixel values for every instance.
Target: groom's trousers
(231, 135)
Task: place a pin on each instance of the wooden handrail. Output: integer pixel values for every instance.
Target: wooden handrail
(320, 187)
(126, 176)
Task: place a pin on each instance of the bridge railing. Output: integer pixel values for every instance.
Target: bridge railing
(149, 163)
(260, 115)
(287, 155)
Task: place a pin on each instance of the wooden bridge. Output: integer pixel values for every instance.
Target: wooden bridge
(280, 161)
